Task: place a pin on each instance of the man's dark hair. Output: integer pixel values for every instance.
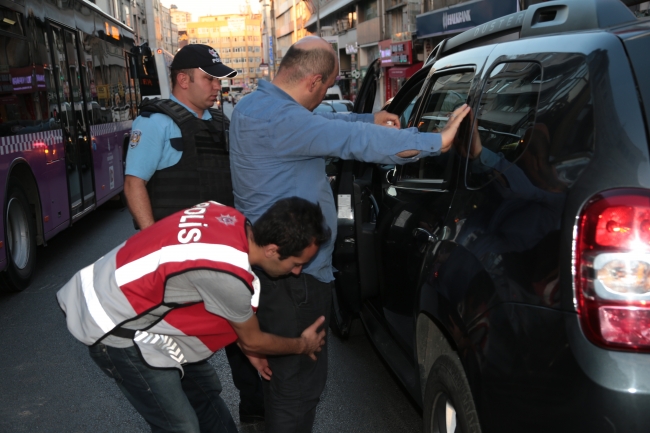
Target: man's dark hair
(292, 224)
(173, 74)
(307, 62)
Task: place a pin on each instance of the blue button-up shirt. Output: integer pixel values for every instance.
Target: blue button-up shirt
(278, 149)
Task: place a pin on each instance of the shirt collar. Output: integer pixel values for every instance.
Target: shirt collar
(272, 89)
(206, 113)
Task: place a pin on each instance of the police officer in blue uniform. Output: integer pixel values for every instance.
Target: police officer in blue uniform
(178, 157)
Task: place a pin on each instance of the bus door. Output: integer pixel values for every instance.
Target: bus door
(78, 152)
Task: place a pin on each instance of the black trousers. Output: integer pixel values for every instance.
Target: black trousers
(288, 305)
(247, 380)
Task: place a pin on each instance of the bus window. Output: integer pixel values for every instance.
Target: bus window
(93, 109)
(23, 83)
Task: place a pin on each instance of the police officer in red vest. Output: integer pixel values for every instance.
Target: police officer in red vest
(154, 309)
(177, 157)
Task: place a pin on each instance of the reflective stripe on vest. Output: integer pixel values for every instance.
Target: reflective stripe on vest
(92, 302)
(129, 282)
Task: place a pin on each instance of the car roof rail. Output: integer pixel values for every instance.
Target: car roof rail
(545, 19)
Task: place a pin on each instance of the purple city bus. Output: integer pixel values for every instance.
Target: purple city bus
(68, 94)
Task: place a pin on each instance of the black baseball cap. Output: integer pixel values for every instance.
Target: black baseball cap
(204, 58)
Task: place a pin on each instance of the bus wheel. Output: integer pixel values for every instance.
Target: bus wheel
(20, 230)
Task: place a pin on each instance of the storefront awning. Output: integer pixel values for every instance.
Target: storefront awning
(404, 71)
(462, 16)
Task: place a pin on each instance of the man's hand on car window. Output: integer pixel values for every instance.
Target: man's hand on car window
(384, 118)
(451, 128)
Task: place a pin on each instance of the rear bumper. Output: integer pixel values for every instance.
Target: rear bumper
(536, 372)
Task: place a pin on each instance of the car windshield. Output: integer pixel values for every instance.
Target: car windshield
(340, 107)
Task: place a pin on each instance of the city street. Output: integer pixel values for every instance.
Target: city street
(50, 384)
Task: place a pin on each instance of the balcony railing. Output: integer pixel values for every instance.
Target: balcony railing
(369, 31)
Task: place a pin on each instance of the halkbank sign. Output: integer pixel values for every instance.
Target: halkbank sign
(463, 16)
(456, 18)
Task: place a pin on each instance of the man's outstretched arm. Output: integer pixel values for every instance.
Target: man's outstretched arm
(252, 339)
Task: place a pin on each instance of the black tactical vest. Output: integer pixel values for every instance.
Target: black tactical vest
(203, 172)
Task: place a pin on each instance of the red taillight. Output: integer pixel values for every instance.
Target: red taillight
(612, 270)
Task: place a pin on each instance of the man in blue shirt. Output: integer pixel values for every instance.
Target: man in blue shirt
(278, 148)
(166, 168)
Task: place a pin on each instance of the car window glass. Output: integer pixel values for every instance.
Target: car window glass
(448, 92)
(505, 120)
(565, 108)
(406, 114)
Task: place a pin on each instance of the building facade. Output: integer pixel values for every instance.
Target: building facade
(149, 19)
(180, 18)
(237, 39)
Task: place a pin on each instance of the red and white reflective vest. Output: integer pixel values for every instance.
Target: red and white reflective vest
(129, 283)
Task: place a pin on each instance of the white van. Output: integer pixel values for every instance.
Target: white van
(333, 93)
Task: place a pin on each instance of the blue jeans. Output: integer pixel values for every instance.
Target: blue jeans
(167, 402)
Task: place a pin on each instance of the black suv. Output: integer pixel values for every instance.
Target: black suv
(507, 281)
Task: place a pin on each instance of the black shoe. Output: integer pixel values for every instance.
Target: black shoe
(250, 418)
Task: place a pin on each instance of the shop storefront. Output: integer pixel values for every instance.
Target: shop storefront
(399, 74)
(397, 59)
(438, 24)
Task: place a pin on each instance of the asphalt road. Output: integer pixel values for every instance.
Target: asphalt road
(48, 383)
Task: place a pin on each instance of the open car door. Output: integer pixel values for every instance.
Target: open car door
(355, 254)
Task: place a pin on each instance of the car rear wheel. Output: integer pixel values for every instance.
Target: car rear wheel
(448, 402)
(20, 230)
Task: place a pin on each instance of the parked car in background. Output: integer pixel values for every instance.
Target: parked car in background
(341, 106)
(507, 281)
(333, 93)
(324, 107)
(238, 97)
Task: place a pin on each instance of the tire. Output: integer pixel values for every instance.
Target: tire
(20, 235)
(448, 402)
